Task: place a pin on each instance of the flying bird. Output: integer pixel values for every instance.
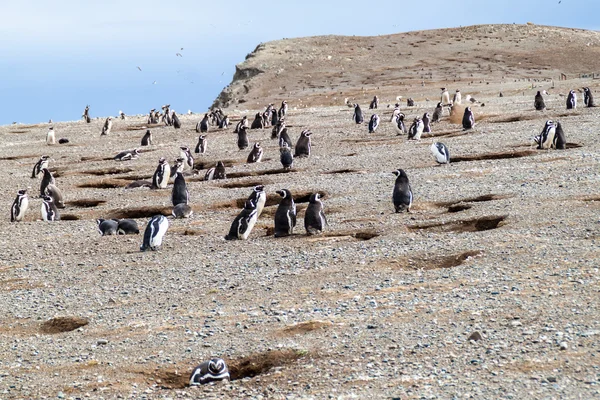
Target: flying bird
(139, 68)
(178, 54)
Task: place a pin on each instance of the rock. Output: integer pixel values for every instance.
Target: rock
(102, 342)
(475, 336)
(563, 346)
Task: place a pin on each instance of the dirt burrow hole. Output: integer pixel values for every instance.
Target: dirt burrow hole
(467, 225)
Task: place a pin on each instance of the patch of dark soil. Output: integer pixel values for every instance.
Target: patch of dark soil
(10, 158)
(105, 184)
(459, 207)
(107, 171)
(244, 184)
(138, 212)
(346, 171)
(430, 263)
(204, 164)
(573, 145)
(494, 156)
(515, 118)
(467, 225)
(260, 363)
(85, 203)
(69, 217)
(63, 324)
(305, 327)
(260, 173)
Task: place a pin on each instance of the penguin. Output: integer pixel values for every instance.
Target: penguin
(314, 217)
(402, 195)
(445, 97)
(410, 102)
(166, 115)
(373, 123)
(468, 121)
(457, 97)
(50, 136)
(400, 127)
(180, 193)
(560, 141)
(283, 109)
(209, 371)
(242, 140)
(243, 122)
(63, 141)
(242, 224)
(286, 157)
(274, 118)
(258, 122)
(161, 176)
(546, 138)
(186, 154)
(440, 153)
(572, 100)
(437, 113)
(201, 145)
(40, 165)
(588, 97)
(303, 144)
(217, 172)
(127, 227)
(86, 114)
(358, 115)
(416, 129)
(224, 123)
(49, 210)
(177, 167)
(426, 124)
(122, 115)
(57, 197)
(285, 216)
(182, 210)
(202, 126)
(19, 206)
(147, 139)
(256, 154)
(259, 198)
(47, 179)
(176, 122)
(154, 233)
(127, 155)
(284, 137)
(107, 227)
(395, 112)
(539, 102)
(107, 126)
(374, 103)
(277, 129)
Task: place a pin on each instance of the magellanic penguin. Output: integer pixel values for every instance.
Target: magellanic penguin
(283, 109)
(468, 121)
(358, 115)
(57, 197)
(217, 172)
(175, 119)
(374, 103)
(314, 217)
(186, 154)
(285, 216)
(182, 210)
(256, 154)
(426, 125)
(107, 126)
(86, 114)
(258, 197)
(49, 210)
(242, 225)
(147, 138)
(39, 166)
(121, 114)
(546, 138)
(437, 113)
(180, 193)
(399, 126)
(50, 136)
(440, 153)
(410, 102)
(127, 227)
(416, 129)
(243, 122)
(154, 233)
(127, 155)
(286, 157)
(19, 206)
(457, 97)
(560, 141)
(373, 123)
(445, 97)
(242, 140)
(395, 112)
(107, 227)
(160, 179)
(201, 145)
(588, 97)
(47, 179)
(258, 123)
(177, 167)
(539, 102)
(572, 100)
(402, 195)
(303, 145)
(202, 126)
(284, 137)
(209, 371)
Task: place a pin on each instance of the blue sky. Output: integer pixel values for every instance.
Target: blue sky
(59, 56)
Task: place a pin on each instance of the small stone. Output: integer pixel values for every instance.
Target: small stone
(551, 379)
(60, 395)
(475, 336)
(101, 342)
(563, 346)
(514, 324)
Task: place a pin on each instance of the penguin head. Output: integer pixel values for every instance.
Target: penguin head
(259, 188)
(22, 192)
(47, 199)
(162, 160)
(216, 365)
(314, 198)
(306, 133)
(400, 172)
(257, 145)
(284, 193)
(201, 137)
(99, 221)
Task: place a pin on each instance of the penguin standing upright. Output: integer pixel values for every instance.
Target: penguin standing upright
(39, 166)
(258, 122)
(283, 109)
(243, 122)
(202, 126)
(358, 115)
(373, 123)
(416, 129)
(572, 100)
(285, 216)
(395, 112)
(303, 144)
(426, 125)
(242, 225)
(107, 126)
(107, 227)
(256, 154)
(242, 140)
(437, 113)
(468, 121)
(374, 103)
(402, 195)
(284, 137)
(49, 210)
(440, 153)
(209, 371)
(180, 193)
(47, 179)
(399, 126)
(147, 138)
(86, 114)
(154, 233)
(314, 217)
(259, 198)
(175, 119)
(286, 157)
(539, 102)
(560, 141)
(457, 97)
(201, 145)
(50, 136)
(186, 154)
(19, 206)
(445, 97)
(546, 138)
(161, 176)
(588, 97)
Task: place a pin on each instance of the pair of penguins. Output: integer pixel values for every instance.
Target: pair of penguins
(552, 136)
(285, 216)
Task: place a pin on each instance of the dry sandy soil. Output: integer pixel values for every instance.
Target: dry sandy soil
(502, 242)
